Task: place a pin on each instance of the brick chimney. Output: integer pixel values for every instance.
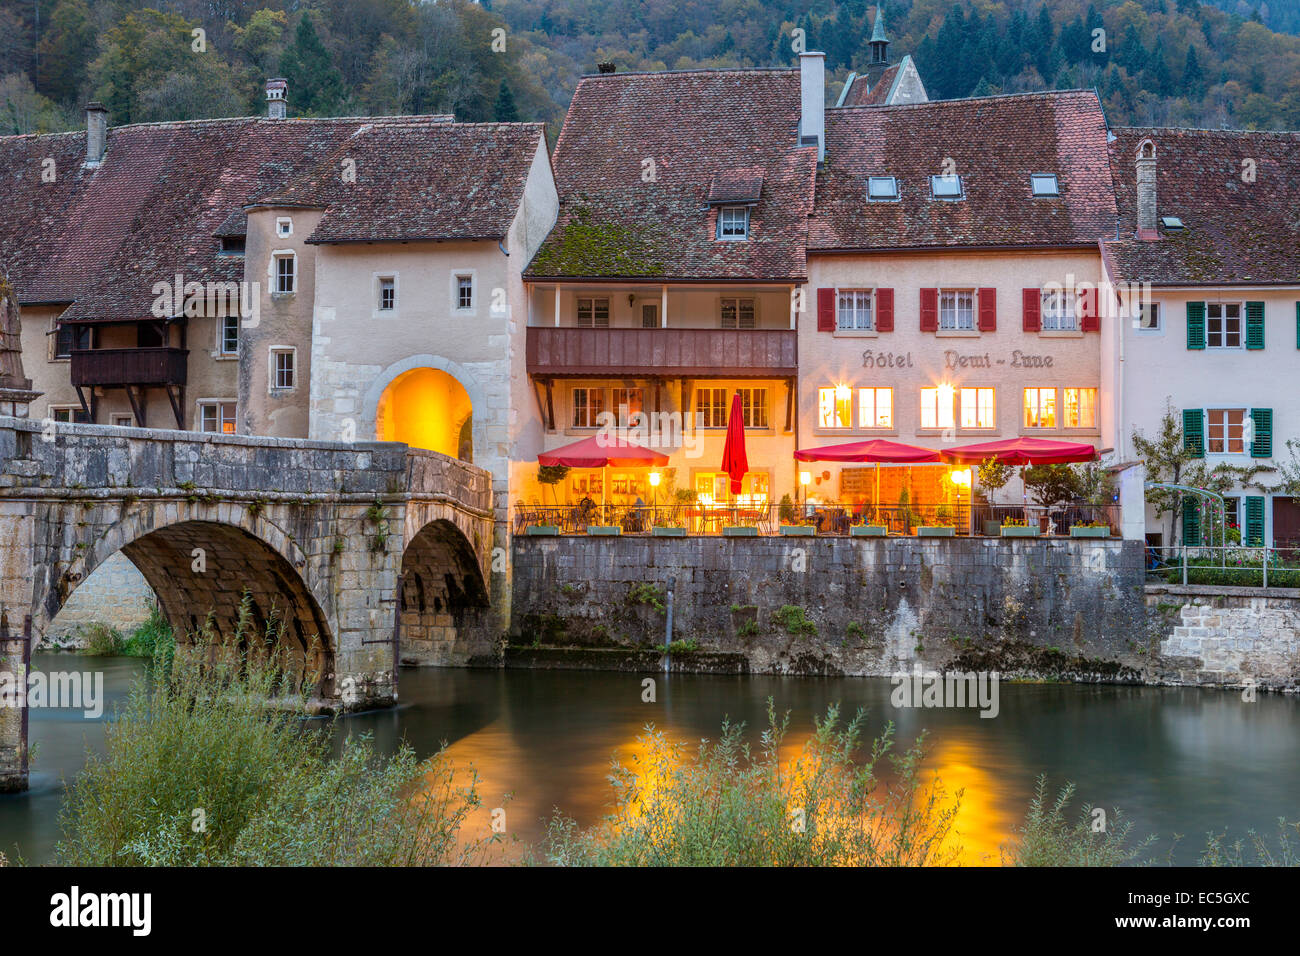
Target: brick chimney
(606, 67)
(96, 133)
(1146, 191)
(277, 93)
(812, 102)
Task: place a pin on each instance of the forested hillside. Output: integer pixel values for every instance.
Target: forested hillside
(1166, 62)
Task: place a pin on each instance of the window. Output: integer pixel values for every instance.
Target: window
(977, 408)
(737, 313)
(588, 406)
(282, 368)
(875, 408)
(1172, 222)
(710, 408)
(1148, 319)
(946, 187)
(733, 222)
(753, 407)
(1226, 431)
(232, 245)
(1223, 325)
(627, 402)
(593, 313)
(1059, 314)
(123, 421)
(387, 293)
(1080, 408)
(1044, 184)
(465, 293)
(882, 188)
(284, 275)
(834, 407)
(71, 337)
(69, 414)
(936, 407)
(1040, 408)
(853, 312)
(957, 310)
(229, 344)
(217, 417)
(650, 315)
(284, 227)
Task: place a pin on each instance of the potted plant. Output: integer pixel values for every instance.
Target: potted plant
(993, 477)
(1019, 528)
(1090, 529)
(865, 530)
(604, 529)
(936, 530)
(790, 517)
(542, 529)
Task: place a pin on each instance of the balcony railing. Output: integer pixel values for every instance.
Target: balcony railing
(718, 353)
(119, 367)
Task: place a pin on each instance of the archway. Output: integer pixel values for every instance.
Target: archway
(444, 597)
(427, 408)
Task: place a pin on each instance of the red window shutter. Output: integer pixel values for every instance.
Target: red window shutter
(988, 310)
(1089, 314)
(929, 310)
(884, 310)
(1033, 302)
(825, 310)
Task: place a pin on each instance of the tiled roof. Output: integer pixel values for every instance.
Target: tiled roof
(736, 185)
(636, 162)
(417, 181)
(993, 144)
(1237, 193)
(862, 93)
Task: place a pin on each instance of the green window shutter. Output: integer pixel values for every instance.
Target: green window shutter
(1196, 325)
(1297, 325)
(1194, 432)
(1254, 537)
(1254, 325)
(1191, 522)
(1261, 445)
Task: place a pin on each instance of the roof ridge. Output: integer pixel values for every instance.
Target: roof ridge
(1029, 94)
(1205, 129)
(699, 69)
(411, 119)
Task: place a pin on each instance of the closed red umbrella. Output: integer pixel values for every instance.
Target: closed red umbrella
(1022, 451)
(875, 449)
(734, 461)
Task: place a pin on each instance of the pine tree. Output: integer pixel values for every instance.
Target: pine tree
(504, 109)
(1157, 74)
(315, 86)
(1193, 77)
(67, 46)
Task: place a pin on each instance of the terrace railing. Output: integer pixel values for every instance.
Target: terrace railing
(1231, 565)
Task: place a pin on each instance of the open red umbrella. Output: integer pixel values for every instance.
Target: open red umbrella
(875, 449)
(599, 452)
(734, 461)
(1022, 451)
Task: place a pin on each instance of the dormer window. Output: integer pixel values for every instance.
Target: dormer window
(733, 223)
(232, 245)
(1172, 222)
(946, 187)
(1044, 184)
(882, 188)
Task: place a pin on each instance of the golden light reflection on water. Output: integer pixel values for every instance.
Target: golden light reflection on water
(983, 823)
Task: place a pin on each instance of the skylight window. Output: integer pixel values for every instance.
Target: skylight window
(946, 187)
(882, 188)
(1044, 184)
(1172, 222)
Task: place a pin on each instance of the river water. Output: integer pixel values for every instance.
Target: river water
(1174, 760)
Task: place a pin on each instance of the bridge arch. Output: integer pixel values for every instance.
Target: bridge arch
(444, 595)
(398, 402)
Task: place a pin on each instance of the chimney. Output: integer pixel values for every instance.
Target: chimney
(812, 102)
(277, 91)
(96, 132)
(1146, 191)
(604, 67)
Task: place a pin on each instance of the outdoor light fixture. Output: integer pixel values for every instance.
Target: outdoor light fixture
(960, 477)
(654, 483)
(804, 478)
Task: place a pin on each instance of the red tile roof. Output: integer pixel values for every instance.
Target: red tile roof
(1236, 231)
(862, 93)
(994, 144)
(637, 159)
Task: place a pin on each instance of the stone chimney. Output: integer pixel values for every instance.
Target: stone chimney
(1146, 191)
(96, 133)
(606, 67)
(812, 102)
(277, 92)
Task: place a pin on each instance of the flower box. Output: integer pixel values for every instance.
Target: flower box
(868, 531)
(739, 531)
(1080, 531)
(1021, 531)
(799, 530)
(936, 531)
(542, 529)
(992, 529)
(660, 531)
(604, 529)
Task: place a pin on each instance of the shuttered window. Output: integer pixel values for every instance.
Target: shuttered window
(1194, 432)
(1191, 522)
(1253, 532)
(1196, 325)
(1254, 325)
(1261, 445)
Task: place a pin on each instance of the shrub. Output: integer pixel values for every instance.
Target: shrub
(795, 620)
(101, 640)
(1047, 839)
(151, 637)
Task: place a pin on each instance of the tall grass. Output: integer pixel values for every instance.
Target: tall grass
(727, 806)
(1048, 838)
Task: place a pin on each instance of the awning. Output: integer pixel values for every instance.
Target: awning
(600, 451)
(876, 450)
(1022, 451)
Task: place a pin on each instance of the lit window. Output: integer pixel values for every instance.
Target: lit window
(588, 405)
(957, 310)
(1040, 408)
(217, 417)
(710, 408)
(1223, 325)
(387, 293)
(464, 292)
(875, 408)
(1080, 408)
(282, 368)
(1059, 313)
(946, 187)
(737, 313)
(627, 402)
(733, 222)
(284, 275)
(834, 407)
(1226, 431)
(1149, 316)
(882, 188)
(1044, 184)
(977, 408)
(853, 310)
(230, 335)
(753, 407)
(936, 407)
(593, 313)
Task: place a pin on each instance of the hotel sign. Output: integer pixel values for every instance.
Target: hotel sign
(953, 360)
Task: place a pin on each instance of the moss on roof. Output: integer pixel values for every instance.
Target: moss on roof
(583, 246)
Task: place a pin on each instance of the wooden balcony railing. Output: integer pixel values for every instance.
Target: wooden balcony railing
(719, 353)
(121, 367)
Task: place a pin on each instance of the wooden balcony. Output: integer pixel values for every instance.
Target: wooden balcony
(695, 353)
(129, 367)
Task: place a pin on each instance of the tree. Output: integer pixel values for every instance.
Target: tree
(1166, 459)
(315, 86)
(1051, 484)
(1193, 76)
(504, 109)
(993, 476)
(67, 46)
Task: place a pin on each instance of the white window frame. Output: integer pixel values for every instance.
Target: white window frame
(273, 376)
(856, 310)
(942, 417)
(1059, 310)
(222, 351)
(1227, 434)
(593, 300)
(283, 227)
(1039, 406)
(456, 276)
(1158, 312)
(1036, 178)
(737, 299)
(828, 412)
(733, 223)
(379, 279)
(875, 392)
(72, 410)
(892, 195)
(216, 403)
(946, 196)
(955, 312)
(977, 393)
(278, 256)
(1223, 318)
(1065, 406)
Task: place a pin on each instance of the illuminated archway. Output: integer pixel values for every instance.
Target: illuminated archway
(427, 408)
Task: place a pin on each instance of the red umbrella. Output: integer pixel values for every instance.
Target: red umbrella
(734, 461)
(598, 452)
(876, 449)
(1022, 451)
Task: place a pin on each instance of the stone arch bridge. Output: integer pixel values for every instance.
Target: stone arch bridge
(358, 556)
